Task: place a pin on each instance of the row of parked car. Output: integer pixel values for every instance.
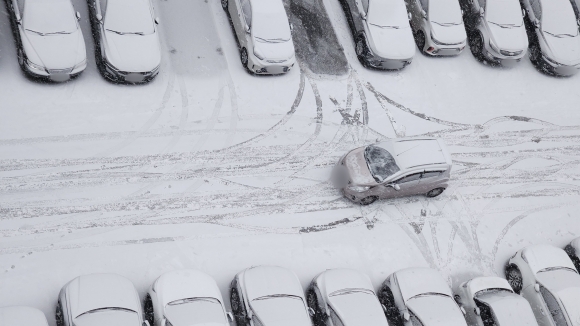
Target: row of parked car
(542, 288)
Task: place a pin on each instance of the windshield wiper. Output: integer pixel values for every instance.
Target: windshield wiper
(277, 296)
(446, 24)
(101, 309)
(272, 40)
(507, 25)
(429, 294)
(386, 26)
(561, 35)
(349, 291)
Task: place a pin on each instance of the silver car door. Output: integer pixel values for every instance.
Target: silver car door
(429, 180)
(409, 184)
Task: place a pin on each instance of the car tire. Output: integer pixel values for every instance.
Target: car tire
(58, 315)
(573, 256)
(361, 49)
(435, 192)
(224, 4)
(244, 58)
(148, 310)
(312, 302)
(392, 313)
(368, 200)
(476, 45)
(420, 40)
(514, 278)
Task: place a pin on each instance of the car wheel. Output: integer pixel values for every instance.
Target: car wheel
(244, 57)
(148, 310)
(368, 200)
(392, 313)
(420, 40)
(312, 302)
(476, 45)
(361, 49)
(225, 4)
(514, 278)
(572, 254)
(435, 192)
(59, 315)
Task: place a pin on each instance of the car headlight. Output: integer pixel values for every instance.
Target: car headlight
(359, 188)
(494, 47)
(258, 54)
(34, 65)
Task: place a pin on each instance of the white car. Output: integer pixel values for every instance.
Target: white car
(185, 298)
(22, 316)
(49, 40)
(547, 278)
(344, 297)
(263, 33)
(420, 297)
(268, 296)
(99, 299)
(573, 251)
(438, 26)
(491, 301)
(126, 37)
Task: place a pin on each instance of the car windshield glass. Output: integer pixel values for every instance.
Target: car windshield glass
(506, 13)
(445, 12)
(273, 310)
(270, 24)
(196, 311)
(488, 291)
(49, 17)
(388, 14)
(380, 162)
(129, 17)
(558, 18)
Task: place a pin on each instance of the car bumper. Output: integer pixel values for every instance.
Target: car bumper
(387, 64)
(55, 75)
(559, 69)
(265, 67)
(495, 56)
(444, 50)
(129, 77)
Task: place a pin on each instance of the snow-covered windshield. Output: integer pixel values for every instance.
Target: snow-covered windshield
(380, 162)
(129, 17)
(289, 310)
(358, 307)
(488, 291)
(558, 18)
(107, 316)
(49, 17)
(506, 13)
(269, 22)
(388, 13)
(198, 311)
(445, 12)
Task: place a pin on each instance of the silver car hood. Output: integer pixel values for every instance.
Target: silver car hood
(131, 52)
(511, 39)
(437, 311)
(564, 50)
(55, 51)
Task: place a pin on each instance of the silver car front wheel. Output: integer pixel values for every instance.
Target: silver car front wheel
(244, 57)
(435, 192)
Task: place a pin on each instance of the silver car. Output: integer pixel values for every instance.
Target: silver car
(49, 39)
(553, 36)
(127, 46)
(22, 316)
(344, 297)
(496, 30)
(268, 296)
(573, 251)
(437, 26)
(263, 34)
(99, 299)
(491, 301)
(419, 297)
(547, 278)
(393, 168)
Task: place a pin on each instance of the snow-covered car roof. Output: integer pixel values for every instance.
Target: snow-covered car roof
(540, 257)
(509, 308)
(570, 298)
(488, 282)
(185, 284)
(437, 310)
(360, 307)
(22, 316)
(261, 281)
(414, 152)
(94, 291)
(344, 278)
(418, 280)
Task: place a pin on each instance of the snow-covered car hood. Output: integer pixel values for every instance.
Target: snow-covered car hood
(185, 284)
(357, 167)
(540, 257)
(445, 12)
(570, 298)
(418, 280)
(511, 39)
(510, 309)
(274, 51)
(566, 50)
(95, 291)
(131, 52)
(392, 43)
(55, 51)
(359, 309)
(282, 311)
(261, 281)
(488, 282)
(108, 318)
(22, 316)
(448, 34)
(435, 310)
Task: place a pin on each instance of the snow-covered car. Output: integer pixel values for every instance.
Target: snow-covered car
(393, 168)
(573, 251)
(126, 37)
(419, 297)
(263, 34)
(185, 298)
(268, 296)
(547, 278)
(344, 297)
(49, 40)
(381, 32)
(553, 36)
(496, 30)
(438, 26)
(99, 299)
(576, 7)
(22, 316)
(491, 301)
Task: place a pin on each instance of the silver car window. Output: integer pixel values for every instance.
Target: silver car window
(425, 5)
(409, 178)
(365, 4)
(553, 307)
(482, 3)
(431, 174)
(335, 319)
(247, 11)
(380, 162)
(536, 8)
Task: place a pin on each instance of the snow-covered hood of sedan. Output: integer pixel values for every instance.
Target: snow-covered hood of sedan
(22, 316)
(274, 51)
(511, 39)
(55, 51)
(131, 52)
(510, 308)
(185, 284)
(357, 167)
(570, 298)
(436, 311)
(392, 43)
(565, 50)
(448, 34)
(359, 309)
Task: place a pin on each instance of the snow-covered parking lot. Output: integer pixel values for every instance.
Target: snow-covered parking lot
(211, 168)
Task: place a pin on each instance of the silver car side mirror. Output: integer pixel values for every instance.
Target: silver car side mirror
(410, 15)
(578, 22)
(157, 20)
(395, 186)
(78, 14)
(424, 14)
(481, 12)
(523, 13)
(536, 23)
(146, 323)
(230, 317)
(537, 287)
(463, 311)
(99, 17)
(477, 311)
(384, 308)
(311, 312)
(247, 29)
(406, 316)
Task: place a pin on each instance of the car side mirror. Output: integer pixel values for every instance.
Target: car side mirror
(78, 14)
(311, 312)
(291, 26)
(477, 311)
(523, 13)
(481, 12)
(406, 316)
(247, 29)
(230, 317)
(157, 20)
(394, 186)
(537, 287)
(578, 22)
(410, 15)
(424, 14)
(384, 307)
(146, 323)
(99, 17)
(463, 311)
(536, 23)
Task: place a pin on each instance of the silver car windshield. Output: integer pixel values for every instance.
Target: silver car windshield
(47, 17)
(380, 162)
(195, 311)
(505, 13)
(427, 294)
(487, 291)
(445, 12)
(129, 17)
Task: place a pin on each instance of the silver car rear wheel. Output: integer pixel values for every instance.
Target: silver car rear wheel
(368, 200)
(244, 57)
(435, 192)
(514, 277)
